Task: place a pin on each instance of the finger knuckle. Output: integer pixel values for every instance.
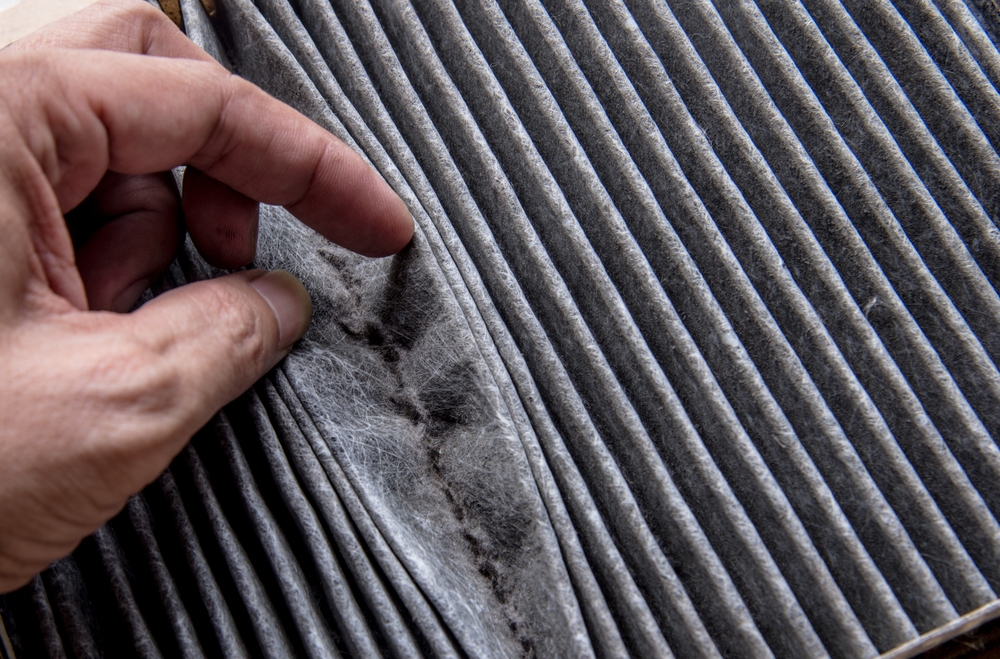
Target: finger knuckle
(145, 381)
(239, 323)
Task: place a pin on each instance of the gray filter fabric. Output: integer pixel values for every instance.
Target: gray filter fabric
(693, 353)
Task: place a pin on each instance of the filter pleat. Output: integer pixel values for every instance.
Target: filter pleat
(693, 353)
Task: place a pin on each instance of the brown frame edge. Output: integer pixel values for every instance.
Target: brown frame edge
(946, 632)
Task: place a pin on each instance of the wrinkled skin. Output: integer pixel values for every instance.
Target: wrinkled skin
(94, 402)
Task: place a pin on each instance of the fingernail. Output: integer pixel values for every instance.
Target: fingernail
(289, 301)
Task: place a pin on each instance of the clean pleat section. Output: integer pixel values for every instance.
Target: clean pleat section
(693, 353)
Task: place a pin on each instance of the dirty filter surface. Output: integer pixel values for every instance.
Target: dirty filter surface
(694, 352)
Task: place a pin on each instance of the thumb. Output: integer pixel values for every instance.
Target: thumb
(96, 405)
(213, 339)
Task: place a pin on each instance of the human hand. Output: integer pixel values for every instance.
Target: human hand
(94, 404)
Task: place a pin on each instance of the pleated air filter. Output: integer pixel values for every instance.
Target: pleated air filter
(694, 352)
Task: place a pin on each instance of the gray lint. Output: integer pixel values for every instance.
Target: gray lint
(694, 352)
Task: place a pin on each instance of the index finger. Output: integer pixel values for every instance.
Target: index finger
(148, 114)
(127, 26)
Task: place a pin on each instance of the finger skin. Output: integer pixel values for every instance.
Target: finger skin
(135, 235)
(139, 115)
(94, 404)
(127, 26)
(111, 400)
(222, 222)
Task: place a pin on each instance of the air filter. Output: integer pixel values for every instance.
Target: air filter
(694, 352)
